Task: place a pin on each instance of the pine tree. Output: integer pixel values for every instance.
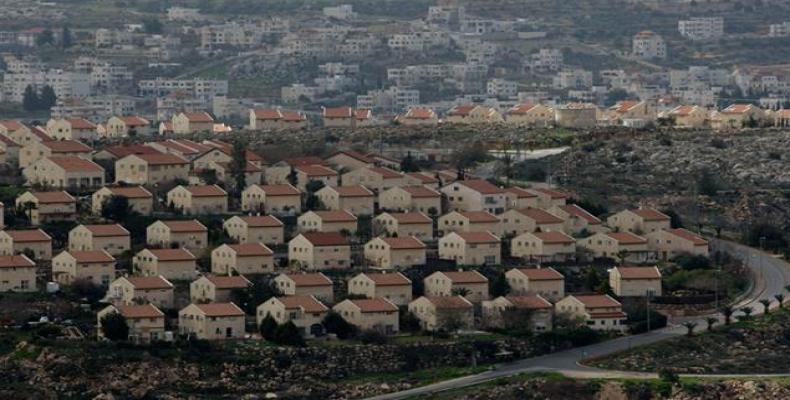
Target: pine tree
(268, 327)
(237, 166)
(30, 100)
(48, 98)
(66, 41)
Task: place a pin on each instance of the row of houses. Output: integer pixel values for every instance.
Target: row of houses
(536, 295)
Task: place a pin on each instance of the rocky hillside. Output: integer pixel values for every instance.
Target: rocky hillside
(759, 346)
(557, 388)
(736, 177)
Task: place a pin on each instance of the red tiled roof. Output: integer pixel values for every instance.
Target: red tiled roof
(388, 279)
(421, 192)
(449, 302)
(385, 173)
(353, 191)
(554, 237)
(53, 197)
(335, 216)
(261, 221)
(66, 146)
(229, 282)
(682, 110)
(542, 274)
(28, 235)
(12, 125)
(267, 114)
(149, 282)
(461, 110)
(8, 142)
(124, 150)
(293, 116)
(355, 155)
(554, 194)
(251, 249)
(338, 112)
(529, 302)
(481, 186)
(649, 214)
(687, 235)
(612, 314)
(199, 117)
(220, 310)
(312, 279)
(639, 272)
(374, 305)
(185, 226)
(41, 133)
(521, 109)
(106, 230)
(76, 164)
(325, 238)
(423, 177)
(420, 113)
(624, 106)
(540, 217)
(162, 159)
(132, 192)
(520, 193)
(411, 218)
(19, 261)
(478, 237)
(404, 243)
(134, 120)
(362, 115)
(307, 303)
(91, 256)
(280, 190)
(206, 191)
(139, 311)
(465, 276)
(81, 123)
(479, 216)
(737, 109)
(309, 160)
(316, 170)
(172, 254)
(597, 300)
(627, 238)
(579, 212)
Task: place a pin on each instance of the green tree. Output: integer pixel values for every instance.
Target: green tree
(747, 313)
(45, 37)
(116, 208)
(30, 99)
(48, 98)
(334, 323)
(727, 312)
(153, 26)
(238, 164)
(409, 164)
(711, 321)
(67, 40)
(707, 184)
(615, 95)
(690, 325)
(268, 327)
(766, 303)
(288, 334)
(114, 327)
(408, 322)
(499, 286)
(674, 218)
(780, 298)
(591, 280)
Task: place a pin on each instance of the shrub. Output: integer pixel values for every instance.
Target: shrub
(372, 337)
(268, 327)
(114, 327)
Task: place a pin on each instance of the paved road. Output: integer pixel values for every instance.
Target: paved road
(771, 275)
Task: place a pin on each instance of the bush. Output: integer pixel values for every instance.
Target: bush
(334, 323)
(268, 327)
(372, 337)
(690, 262)
(667, 375)
(288, 334)
(114, 327)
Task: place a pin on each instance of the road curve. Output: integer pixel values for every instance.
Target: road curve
(770, 275)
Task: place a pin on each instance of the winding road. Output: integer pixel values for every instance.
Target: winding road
(771, 275)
